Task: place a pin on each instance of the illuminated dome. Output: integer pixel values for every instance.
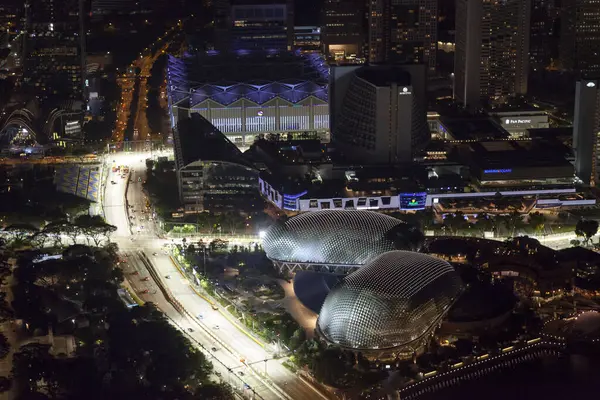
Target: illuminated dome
(393, 302)
(347, 237)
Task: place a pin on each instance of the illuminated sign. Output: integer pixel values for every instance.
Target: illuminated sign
(517, 121)
(404, 91)
(412, 201)
(591, 84)
(497, 171)
(260, 113)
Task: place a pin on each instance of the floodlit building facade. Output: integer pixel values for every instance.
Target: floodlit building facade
(586, 127)
(389, 308)
(245, 95)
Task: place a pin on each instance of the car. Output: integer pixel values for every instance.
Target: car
(113, 182)
(144, 291)
(154, 254)
(168, 276)
(214, 349)
(190, 330)
(216, 327)
(240, 373)
(146, 279)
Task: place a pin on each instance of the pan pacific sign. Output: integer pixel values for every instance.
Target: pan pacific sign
(510, 121)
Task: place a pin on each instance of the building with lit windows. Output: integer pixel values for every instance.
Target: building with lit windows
(212, 174)
(390, 308)
(307, 38)
(379, 112)
(580, 37)
(251, 94)
(586, 126)
(491, 59)
(402, 31)
(54, 65)
(343, 29)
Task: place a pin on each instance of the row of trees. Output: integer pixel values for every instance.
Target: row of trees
(92, 230)
(121, 352)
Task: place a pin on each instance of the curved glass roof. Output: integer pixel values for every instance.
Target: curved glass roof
(393, 301)
(339, 237)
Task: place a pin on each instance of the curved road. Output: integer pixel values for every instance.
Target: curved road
(210, 327)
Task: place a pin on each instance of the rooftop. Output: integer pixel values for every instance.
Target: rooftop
(257, 76)
(473, 129)
(384, 76)
(197, 139)
(515, 154)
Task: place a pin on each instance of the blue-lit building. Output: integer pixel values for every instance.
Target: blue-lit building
(247, 94)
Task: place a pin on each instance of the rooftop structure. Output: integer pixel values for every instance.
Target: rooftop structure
(471, 129)
(336, 240)
(518, 163)
(212, 174)
(390, 307)
(246, 94)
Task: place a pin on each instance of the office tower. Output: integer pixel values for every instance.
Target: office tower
(378, 113)
(402, 31)
(260, 24)
(99, 7)
(11, 25)
(343, 28)
(543, 44)
(54, 64)
(492, 46)
(586, 127)
(580, 37)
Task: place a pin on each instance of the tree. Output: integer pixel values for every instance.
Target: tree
(19, 232)
(211, 391)
(586, 228)
(537, 221)
(95, 227)
(485, 223)
(4, 345)
(455, 222)
(513, 221)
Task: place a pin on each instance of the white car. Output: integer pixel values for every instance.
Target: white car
(168, 276)
(216, 327)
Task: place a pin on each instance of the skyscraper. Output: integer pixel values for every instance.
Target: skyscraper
(402, 31)
(580, 37)
(343, 30)
(586, 127)
(54, 64)
(543, 45)
(260, 24)
(378, 113)
(492, 50)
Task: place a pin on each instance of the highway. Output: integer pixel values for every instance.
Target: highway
(211, 328)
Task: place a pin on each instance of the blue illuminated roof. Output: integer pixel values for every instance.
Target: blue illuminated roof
(256, 77)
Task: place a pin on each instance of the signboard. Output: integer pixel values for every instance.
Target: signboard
(413, 201)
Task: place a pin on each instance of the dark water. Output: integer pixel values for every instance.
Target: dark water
(570, 378)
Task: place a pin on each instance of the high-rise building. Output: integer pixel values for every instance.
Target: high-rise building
(543, 44)
(54, 65)
(402, 31)
(257, 24)
(491, 60)
(343, 30)
(586, 127)
(378, 113)
(580, 37)
(100, 7)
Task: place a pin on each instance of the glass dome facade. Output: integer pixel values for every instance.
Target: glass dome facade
(394, 301)
(349, 237)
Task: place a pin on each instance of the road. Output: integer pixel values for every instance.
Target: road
(212, 326)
